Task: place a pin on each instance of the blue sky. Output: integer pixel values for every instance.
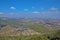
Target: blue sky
(30, 8)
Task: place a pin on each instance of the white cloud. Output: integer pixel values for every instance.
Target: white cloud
(53, 9)
(12, 8)
(25, 9)
(36, 12)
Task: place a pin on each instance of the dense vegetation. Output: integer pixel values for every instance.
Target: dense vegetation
(54, 36)
(47, 32)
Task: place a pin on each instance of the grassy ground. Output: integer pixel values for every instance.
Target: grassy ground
(53, 36)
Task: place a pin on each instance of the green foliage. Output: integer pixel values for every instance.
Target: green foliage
(39, 28)
(52, 36)
(34, 37)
